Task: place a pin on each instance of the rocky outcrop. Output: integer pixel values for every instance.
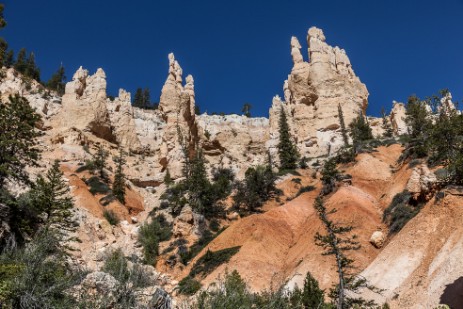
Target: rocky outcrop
(422, 181)
(313, 91)
(377, 239)
(84, 104)
(121, 115)
(397, 117)
(177, 107)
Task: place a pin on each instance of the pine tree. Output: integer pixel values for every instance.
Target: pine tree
(311, 296)
(138, 98)
(32, 70)
(119, 178)
(51, 197)
(246, 110)
(337, 241)
(388, 131)
(286, 149)
(419, 126)
(57, 81)
(2, 19)
(343, 126)
(99, 161)
(21, 63)
(146, 103)
(167, 178)
(17, 139)
(3, 52)
(9, 59)
(198, 183)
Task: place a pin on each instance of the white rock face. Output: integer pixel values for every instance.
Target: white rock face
(421, 180)
(84, 104)
(398, 115)
(313, 92)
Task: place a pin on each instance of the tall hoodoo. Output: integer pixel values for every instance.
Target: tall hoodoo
(313, 91)
(177, 107)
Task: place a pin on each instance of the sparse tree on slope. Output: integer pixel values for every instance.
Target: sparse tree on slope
(57, 81)
(286, 149)
(343, 126)
(99, 161)
(119, 178)
(17, 139)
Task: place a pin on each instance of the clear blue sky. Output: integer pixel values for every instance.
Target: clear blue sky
(238, 51)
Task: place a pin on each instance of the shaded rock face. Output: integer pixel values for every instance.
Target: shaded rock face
(313, 91)
(398, 116)
(84, 104)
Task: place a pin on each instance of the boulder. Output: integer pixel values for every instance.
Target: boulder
(377, 239)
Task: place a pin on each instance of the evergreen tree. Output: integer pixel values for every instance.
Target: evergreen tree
(337, 241)
(21, 63)
(387, 127)
(99, 161)
(119, 178)
(286, 149)
(198, 183)
(9, 59)
(32, 70)
(360, 130)
(246, 110)
(2, 19)
(51, 197)
(167, 178)
(419, 125)
(57, 81)
(329, 175)
(146, 103)
(17, 139)
(3, 52)
(138, 98)
(343, 126)
(311, 296)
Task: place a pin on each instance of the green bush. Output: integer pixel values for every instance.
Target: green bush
(211, 260)
(88, 166)
(305, 189)
(97, 186)
(149, 236)
(116, 265)
(188, 286)
(400, 211)
(112, 218)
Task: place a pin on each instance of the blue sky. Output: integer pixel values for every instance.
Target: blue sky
(238, 51)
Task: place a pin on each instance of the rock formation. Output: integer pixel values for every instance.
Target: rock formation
(398, 115)
(84, 104)
(177, 107)
(313, 91)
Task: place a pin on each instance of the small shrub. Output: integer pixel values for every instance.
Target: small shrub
(116, 265)
(400, 211)
(97, 186)
(106, 200)
(214, 225)
(303, 163)
(305, 189)
(414, 163)
(296, 180)
(149, 237)
(88, 166)
(112, 218)
(211, 260)
(188, 286)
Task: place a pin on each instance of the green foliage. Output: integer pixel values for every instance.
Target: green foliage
(97, 186)
(360, 131)
(233, 293)
(116, 265)
(303, 163)
(37, 275)
(119, 178)
(246, 110)
(287, 150)
(149, 236)
(201, 243)
(329, 176)
(51, 197)
(99, 161)
(343, 126)
(400, 211)
(57, 82)
(111, 217)
(386, 125)
(142, 99)
(2, 19)
(211, 260)
(305, 189)
(188, 286)
(337, 240)
(26, 65)
(17, 139)
(174, 197)
(256, 188)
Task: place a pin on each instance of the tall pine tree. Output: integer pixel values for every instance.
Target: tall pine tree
(119, 178)
(57, 81)
(343, 126)
(287, 151)
(146, 98)
(51, 197)
(138, 98)
(21, 62)
(17, 139)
